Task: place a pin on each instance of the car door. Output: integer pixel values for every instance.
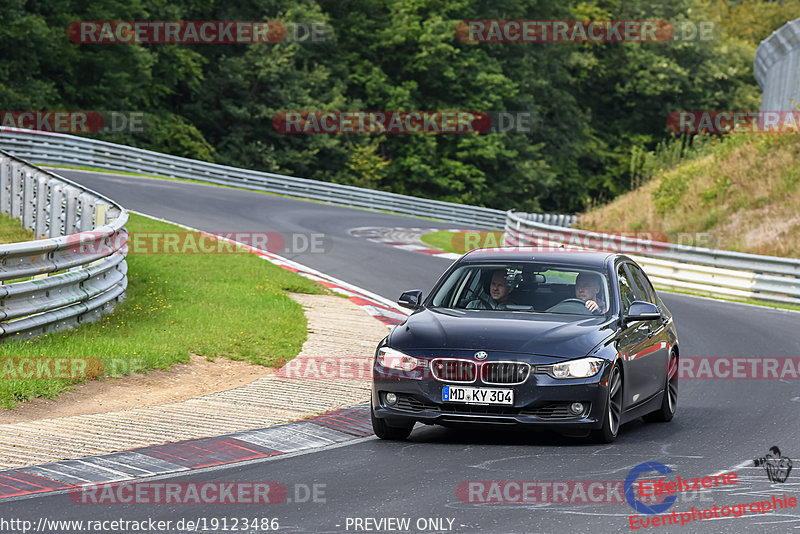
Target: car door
(658, 358)
(653, 358)
(636, 346)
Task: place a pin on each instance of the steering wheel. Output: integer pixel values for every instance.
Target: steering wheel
(572, 305)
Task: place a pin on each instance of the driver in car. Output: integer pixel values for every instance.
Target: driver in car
(587, 288)
(499, 290)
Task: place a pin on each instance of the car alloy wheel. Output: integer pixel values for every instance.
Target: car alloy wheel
(670, 400)
(672, 386)
(613, 414)
(615, 400)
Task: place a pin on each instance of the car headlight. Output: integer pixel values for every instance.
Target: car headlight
(394, 359)
(583, 368)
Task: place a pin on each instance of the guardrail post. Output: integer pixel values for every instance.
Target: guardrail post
(71, 211)
(16, 193)
(40, 210)
(56, 208)
(5, 184)
(28, 200)
(86, 204)
(100, 213)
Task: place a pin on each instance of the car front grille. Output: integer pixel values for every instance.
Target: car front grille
(453, 370)
(504, 372)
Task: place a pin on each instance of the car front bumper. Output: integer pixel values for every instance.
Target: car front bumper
(540, 401)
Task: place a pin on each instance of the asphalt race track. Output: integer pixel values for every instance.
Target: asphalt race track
(721, 425)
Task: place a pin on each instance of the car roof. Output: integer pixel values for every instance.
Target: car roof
(578, 258)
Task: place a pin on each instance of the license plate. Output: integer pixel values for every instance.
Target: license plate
(477, 395)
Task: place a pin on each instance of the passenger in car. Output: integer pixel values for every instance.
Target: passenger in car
(499, 290)
(587, 288)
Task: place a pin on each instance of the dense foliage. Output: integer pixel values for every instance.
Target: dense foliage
(598, 107)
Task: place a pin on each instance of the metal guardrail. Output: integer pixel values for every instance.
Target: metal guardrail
(719, 272)
(60, 149)
(777, 68)
(553, 219)
(75, 270)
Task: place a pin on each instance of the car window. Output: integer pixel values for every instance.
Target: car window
(526, 287)
(461, 285)
(641, 285)
(626, 293)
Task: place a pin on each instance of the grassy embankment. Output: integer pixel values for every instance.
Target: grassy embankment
(745, 193)
(742, 195)
(234, 305)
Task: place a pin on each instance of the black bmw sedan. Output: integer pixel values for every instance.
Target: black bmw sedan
(572, 341)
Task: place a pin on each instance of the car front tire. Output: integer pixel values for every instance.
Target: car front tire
(397, 431)
(613, 412)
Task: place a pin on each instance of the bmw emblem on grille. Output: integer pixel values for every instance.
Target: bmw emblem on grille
(481, 355)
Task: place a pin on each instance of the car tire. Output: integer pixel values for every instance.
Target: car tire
(613, 412)
(384, 430)
(669, 402)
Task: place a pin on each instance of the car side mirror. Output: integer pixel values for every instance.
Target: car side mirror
(642, 311)
(411, 299)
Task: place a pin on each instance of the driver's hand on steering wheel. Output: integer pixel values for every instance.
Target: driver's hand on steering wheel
(592, 306)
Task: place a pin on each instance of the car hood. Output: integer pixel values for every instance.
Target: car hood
(561, 336)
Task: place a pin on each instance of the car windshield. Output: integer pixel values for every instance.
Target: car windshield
(526, 287)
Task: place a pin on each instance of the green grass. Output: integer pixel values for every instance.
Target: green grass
(215, 305)
(462, 242)
(11, 230)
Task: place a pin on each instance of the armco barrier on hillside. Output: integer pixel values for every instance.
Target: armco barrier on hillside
(720, 272)
(777, 68)
(44, 285)
(60, 149)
